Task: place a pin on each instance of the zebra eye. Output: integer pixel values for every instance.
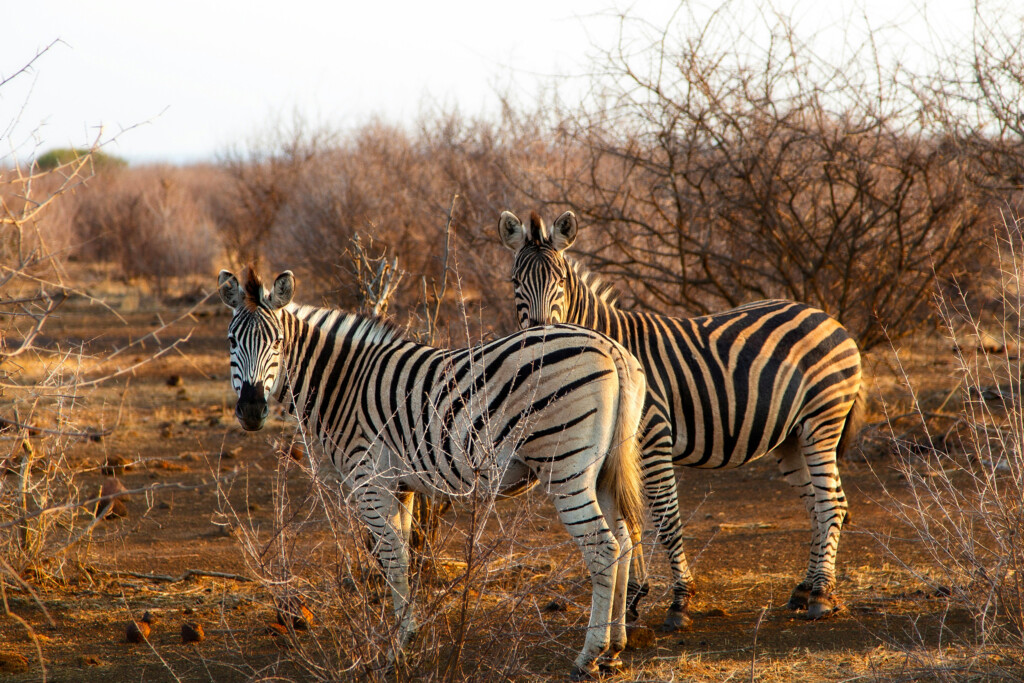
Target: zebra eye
(514, 281)
(232, 343)
(561, 282)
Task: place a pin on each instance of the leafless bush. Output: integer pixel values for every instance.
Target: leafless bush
(152, 222)
(46, 514)
(489, 593)
(37, 406)
(965, 485)
(722, 170)
(264, 177)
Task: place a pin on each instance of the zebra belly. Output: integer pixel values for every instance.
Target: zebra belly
(708, 449)
(488, 477)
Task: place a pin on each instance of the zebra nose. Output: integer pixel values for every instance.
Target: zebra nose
(252, 408)
(252, 415)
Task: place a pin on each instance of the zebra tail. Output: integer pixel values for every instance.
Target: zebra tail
(621, 472)
(853, 423)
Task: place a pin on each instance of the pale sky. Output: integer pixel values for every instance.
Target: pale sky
(198, 77)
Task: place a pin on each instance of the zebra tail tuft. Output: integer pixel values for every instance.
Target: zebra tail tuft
(621, 472)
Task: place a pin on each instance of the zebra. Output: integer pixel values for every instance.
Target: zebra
(558, 405)
(723, 389)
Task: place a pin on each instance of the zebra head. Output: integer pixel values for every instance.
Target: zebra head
(539, 271)
(256, 340)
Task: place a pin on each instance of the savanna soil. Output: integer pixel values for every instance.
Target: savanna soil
(179, 553)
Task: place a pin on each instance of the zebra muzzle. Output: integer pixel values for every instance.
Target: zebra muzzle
(252, 408)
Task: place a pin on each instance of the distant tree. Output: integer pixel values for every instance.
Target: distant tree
(62, 156)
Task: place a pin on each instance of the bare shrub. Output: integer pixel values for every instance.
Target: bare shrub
(263, 177)
(36, 419)
(480, 589)
(716, 173)
(965, 497)
(153, 222)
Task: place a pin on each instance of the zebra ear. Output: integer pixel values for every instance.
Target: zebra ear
(284, 288)
(563, 231)
(230, 291)
(512, 231)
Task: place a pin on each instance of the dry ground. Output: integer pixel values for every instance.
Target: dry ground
(747, 542)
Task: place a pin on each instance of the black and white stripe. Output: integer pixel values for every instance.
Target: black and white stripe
(559, 406)
(724, 389)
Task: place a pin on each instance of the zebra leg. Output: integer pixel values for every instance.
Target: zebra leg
(618, 634)
(830, 510)
(638, 586)
(663, 500)
(581, 514)
(793, 466)
(381, 510)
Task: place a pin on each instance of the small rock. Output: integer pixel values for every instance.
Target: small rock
(555, 606)
(277, 630)
(192, 632)
(114, 464)
(227, 530)
(715, 612)
(175, 381)
(13, 663)
(90, 660)
(297, 452)
(640, 638)
(110, 507)
(300, 615)
(137, 631)
(164, 505)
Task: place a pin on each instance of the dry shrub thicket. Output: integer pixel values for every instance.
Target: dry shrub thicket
(706, 172)
(45, 383)
(46, 514)
(477, 600)
(964, 470)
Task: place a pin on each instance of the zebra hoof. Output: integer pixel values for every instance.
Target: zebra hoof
(821, 606)
(676, 620)
(611, 665)
(588, 673)
(799, 599)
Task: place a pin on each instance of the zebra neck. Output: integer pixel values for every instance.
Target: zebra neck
(589, 308)
(318, 339)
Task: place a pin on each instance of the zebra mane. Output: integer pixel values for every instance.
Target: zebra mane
(368, 328)
(252, 285)
(592, 281)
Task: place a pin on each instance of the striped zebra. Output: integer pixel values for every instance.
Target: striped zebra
(558, 405)
(723, 389)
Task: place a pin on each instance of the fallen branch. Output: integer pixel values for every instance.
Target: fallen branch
(189, 573)
(57, 432)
